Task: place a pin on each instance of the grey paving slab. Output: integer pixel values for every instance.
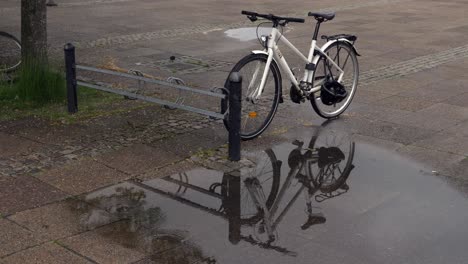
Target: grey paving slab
(24, 192)
(14, 238)
(369, 97)
(82, 176)
(458, 100)
(452, 142)
(440, 161)
(377, 112)
(138, 159)
(56, 220)
(13, 145)
(45, 254)
(460, 128)
(187, 144)
(438, 91)
(393, 86)
(403, 103)
(105, 245)
(403, 134)
(171, 169)
(437, 117)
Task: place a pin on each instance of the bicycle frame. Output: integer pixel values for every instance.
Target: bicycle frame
(273, 52)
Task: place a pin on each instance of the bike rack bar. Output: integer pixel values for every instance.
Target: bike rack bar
(149, 80)
(152, 100)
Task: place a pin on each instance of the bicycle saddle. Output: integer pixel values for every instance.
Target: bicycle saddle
(322, 16)
(329, 156)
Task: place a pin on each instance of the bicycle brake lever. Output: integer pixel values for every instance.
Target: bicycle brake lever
(252, 18)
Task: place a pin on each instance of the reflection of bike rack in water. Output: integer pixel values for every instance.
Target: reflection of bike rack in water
(321, 170)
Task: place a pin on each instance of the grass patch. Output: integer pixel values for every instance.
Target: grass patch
(37, 84)
(91, 104)
(41, 92)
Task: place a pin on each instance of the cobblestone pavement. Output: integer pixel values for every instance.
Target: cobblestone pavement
(412, 101)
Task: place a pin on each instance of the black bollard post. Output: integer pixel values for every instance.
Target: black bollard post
(235, 95)
(70, 68)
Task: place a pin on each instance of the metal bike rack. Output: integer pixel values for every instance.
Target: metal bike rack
(232, 93)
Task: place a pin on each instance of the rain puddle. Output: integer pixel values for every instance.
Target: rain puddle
(250, 33)
(319, 198)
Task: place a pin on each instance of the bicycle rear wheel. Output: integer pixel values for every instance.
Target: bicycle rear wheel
(257, 114)
(345, 57)
(10, 53)
(329, 174)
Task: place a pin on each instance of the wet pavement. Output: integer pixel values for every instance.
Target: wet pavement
(93, 193)
(322, 196)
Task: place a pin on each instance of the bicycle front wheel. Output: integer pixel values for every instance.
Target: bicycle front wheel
(344, 56)
(261, 185)
(257, 113)
(10, 53)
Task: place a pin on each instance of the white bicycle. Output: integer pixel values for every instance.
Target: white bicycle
(330, 77)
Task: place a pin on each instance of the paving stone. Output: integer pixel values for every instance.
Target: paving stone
(186, 145)
(25, 192)
(456, 143)
(460, 128)
(56, 220)
(391, 86)
(387, 144)
(459, 100)
(438, 91)
(14, 238)
(171, 169)
(138, 158)
(376, 112)
(440, 161)
(388, 131)
(369, 97)
(82, 176)
(404, 103)
(106, 245)
(437, 117)
(45, 254)
(12, 145)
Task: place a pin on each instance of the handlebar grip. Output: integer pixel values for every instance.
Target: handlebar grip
(248, 13)
(297, 20)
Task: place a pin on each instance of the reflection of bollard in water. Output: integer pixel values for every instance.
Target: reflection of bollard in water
(233, 206)
(51, 3)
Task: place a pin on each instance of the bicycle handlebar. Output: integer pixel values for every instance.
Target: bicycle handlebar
(272, 17)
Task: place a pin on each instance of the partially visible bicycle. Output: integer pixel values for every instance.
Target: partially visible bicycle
(10, 53)
(329, 82)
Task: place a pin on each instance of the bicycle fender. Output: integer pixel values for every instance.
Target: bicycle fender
(259, 52)
(349, 43)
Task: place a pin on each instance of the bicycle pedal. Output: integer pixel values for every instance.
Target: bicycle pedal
(281, 100)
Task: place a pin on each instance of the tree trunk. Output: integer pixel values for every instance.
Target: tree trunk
(34, 30)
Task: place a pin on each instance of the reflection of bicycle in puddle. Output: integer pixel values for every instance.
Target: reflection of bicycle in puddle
(320, 169)
(260, 198)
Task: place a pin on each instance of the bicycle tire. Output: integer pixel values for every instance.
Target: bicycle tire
(276, 168)
(246, 115)
(346, 171)
(316, 102)
(12, 40)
